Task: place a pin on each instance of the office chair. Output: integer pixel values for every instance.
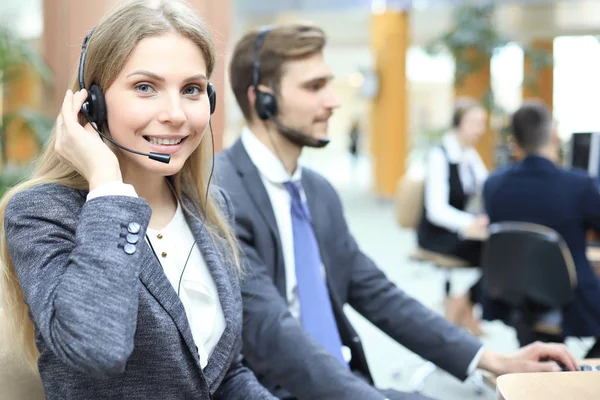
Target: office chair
(529, 269)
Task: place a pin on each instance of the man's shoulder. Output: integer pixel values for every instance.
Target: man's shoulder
(318, 181)
(501, 173)
(222, 158)
(315, 177)
(576, 175)
(561, 177)
(225, 167)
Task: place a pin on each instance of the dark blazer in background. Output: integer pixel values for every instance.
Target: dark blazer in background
(536, 190)
(283, 356)
(108, 324)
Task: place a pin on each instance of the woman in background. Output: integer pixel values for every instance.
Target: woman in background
(455, 174)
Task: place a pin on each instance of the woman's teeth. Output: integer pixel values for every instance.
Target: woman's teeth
(163, 142)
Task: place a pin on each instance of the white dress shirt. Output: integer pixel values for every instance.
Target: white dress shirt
(198, 293)
(472, 173)
(273, 175)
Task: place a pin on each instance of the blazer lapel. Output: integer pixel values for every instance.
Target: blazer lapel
(253, 184)
(258, 194)
(154, 279)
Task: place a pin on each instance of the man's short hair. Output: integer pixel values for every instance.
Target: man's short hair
(532, 126)
(283, 43)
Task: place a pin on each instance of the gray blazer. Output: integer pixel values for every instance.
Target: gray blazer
(108, 323)
(282, 355)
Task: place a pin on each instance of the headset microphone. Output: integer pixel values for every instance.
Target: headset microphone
(298, 137)
(163, 158)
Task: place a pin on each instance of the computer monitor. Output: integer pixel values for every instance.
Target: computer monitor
(584, 152)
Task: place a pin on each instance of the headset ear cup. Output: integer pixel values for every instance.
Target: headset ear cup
(97, 105)
(265, 105)
(212, 97)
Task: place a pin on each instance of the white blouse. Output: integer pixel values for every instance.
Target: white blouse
(472, 172)
(198, 291)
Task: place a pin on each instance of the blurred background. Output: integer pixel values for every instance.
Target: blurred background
(398, 67)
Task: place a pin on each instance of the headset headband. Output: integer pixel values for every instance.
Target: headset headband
(257, 46)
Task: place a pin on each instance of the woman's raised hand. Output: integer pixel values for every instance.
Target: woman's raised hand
(81, 147)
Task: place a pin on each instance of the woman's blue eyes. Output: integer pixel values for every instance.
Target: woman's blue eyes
(190, 90)
(192, 93)
(144, 88)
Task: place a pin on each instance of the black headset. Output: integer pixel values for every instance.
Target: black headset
(94, 107)
(265, 103)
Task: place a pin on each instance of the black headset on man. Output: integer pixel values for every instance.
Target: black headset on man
(94, 107)
(265, 103)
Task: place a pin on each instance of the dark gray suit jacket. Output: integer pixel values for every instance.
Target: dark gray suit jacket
(276, 347)
(109, 324)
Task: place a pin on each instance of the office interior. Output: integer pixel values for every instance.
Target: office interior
(400, 95)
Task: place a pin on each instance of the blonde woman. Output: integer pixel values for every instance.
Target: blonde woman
(120, 272)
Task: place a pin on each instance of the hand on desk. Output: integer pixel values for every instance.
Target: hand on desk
(478, 230)
(536, 357)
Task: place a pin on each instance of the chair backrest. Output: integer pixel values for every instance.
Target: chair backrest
(409, 201)
(526, 263)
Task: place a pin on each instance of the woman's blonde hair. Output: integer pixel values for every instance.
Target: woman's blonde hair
(113, 40)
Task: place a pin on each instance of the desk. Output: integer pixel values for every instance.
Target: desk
(579, 385)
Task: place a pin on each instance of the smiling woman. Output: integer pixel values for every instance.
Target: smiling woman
(84, 293)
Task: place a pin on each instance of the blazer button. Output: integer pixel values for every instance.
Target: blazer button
(133, 227)
(129, 248)
(133, 239)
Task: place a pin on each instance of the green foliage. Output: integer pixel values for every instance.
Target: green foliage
(16, 52)
(473, 39)
(17, 55)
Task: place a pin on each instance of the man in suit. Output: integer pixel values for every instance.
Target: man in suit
(302, 263)
(537, 190)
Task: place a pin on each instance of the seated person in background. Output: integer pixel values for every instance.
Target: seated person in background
(302, 263)
(537, 190)
(455, 173)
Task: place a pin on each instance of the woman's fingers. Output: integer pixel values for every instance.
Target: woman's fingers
(78, 101)
(71, 107)
(59, 126)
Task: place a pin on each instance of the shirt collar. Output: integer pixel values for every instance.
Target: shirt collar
(267, 163)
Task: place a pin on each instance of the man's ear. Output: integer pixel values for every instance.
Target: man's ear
(251, 95)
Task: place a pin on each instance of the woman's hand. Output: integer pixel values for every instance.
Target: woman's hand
(81, 147)
(478, 230)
